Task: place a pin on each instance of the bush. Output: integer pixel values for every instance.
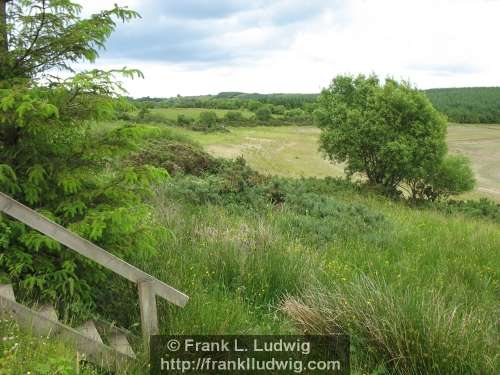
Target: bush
(322, 220)
(278, 109)
(296, 114)
(482, 208)
(263, 113)
(208, 119)
(453, 176)
(233, 116)
(183, 120)
(176, 157)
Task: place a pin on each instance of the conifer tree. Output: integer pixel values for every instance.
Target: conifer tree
(49, 158)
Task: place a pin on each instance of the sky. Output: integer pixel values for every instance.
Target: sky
(197, 47)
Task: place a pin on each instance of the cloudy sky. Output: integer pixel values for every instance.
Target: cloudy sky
(193, 47)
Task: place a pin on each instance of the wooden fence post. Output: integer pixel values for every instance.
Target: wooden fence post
(149, 314)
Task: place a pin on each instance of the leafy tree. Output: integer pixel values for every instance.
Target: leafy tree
(253, 105)
(233, 116)
(208, 119)
(390, 132)
(263, 113)
(49, 158)
(183, 120)
(278, 109)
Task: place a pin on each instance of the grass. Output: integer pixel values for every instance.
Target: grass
(423, 285)
(416, 290)
(22, 353)
(481, 143)
(293, 152)
(290, 151)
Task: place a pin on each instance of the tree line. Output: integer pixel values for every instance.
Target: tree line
(468, 105)
(461, 105)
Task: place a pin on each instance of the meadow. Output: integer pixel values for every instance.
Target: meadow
(293, 151)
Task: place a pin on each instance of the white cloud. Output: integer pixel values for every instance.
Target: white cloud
(434, 43)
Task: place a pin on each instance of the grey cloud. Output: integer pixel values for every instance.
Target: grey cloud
(189, 31)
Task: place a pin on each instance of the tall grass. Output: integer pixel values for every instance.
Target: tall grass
(398, 331)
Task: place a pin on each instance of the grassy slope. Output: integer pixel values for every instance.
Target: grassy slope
(238, 263)
(256, 257)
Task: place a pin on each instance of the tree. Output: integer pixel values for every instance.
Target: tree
(49, 158)
(388, 132)
(263, 113)
(208, 119)
(233, 116)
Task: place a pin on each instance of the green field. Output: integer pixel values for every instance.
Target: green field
(293, 151)
(481, 143)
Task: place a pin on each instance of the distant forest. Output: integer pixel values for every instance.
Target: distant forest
(468, 105)
(461, 105)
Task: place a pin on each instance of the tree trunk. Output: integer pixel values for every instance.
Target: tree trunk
(3, 27)
(4, 42)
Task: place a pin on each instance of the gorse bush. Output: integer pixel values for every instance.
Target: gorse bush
(175, 157)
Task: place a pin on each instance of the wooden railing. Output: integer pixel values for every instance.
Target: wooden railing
(148, 286)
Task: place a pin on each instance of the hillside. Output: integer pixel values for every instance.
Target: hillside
(468, 105)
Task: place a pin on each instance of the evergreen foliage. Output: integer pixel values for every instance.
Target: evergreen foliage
(469, 105)
(50, 160)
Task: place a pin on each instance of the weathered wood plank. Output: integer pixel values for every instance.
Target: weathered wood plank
(34, 322)
(86, 248)
(149, 313)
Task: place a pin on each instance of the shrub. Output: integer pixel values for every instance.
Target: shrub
(208, 119)
(296, 114)
(263, 113)
(183, 120)
(233, 116)
(175, 157)
(278, 109)
(453, 176)
(482, 208)
(321, 219)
